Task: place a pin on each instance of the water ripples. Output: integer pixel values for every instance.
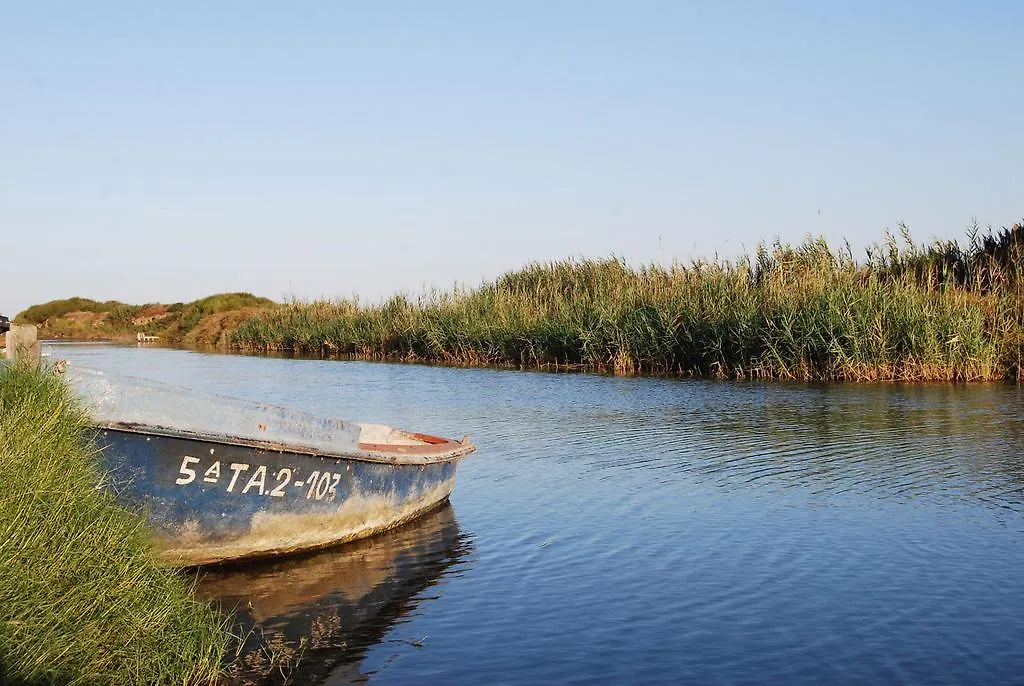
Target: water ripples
(649, 531)
(832, 442)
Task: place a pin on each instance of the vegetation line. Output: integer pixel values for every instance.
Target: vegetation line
(912, 313)
(909, 312)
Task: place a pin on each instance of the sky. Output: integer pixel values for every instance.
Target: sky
(161, 152)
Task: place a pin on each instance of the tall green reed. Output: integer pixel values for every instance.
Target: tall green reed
(910, 312)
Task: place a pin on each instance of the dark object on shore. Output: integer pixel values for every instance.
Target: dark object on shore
(5, 324)
(223, 479)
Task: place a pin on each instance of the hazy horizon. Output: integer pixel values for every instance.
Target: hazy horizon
(324, 150)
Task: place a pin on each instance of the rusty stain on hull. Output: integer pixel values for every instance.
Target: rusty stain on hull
(273, 534)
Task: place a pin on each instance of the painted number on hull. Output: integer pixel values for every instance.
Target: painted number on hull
(242, 478)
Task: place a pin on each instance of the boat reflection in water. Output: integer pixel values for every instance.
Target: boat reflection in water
(315, 616)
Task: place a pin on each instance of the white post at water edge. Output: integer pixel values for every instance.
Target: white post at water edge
(22, 343)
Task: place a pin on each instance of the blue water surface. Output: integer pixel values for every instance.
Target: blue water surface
(629, 530)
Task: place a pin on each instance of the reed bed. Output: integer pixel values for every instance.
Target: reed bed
(83, 598)
(909, 312)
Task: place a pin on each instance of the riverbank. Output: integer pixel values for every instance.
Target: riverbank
(910, 313)
(84, 599)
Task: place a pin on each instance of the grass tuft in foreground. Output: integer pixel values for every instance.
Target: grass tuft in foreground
(915, 313)
(83, 598)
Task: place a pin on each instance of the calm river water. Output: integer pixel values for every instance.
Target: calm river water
(613, 530)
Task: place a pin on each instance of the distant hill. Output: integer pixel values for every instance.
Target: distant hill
(200, 322)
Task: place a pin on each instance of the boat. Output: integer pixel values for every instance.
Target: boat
(224, 479)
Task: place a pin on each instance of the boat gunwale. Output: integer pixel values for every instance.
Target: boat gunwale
(437, 449)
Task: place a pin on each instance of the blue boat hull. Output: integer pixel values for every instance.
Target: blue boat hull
(211, 502)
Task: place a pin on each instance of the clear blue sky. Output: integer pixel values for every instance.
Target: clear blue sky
(166, 151)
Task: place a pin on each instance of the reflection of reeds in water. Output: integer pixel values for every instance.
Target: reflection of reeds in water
(308, 616)
(930, 444)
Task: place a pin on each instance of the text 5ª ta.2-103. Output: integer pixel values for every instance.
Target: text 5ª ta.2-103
(242, 478)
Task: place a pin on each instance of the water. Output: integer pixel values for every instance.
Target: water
(616, 530)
